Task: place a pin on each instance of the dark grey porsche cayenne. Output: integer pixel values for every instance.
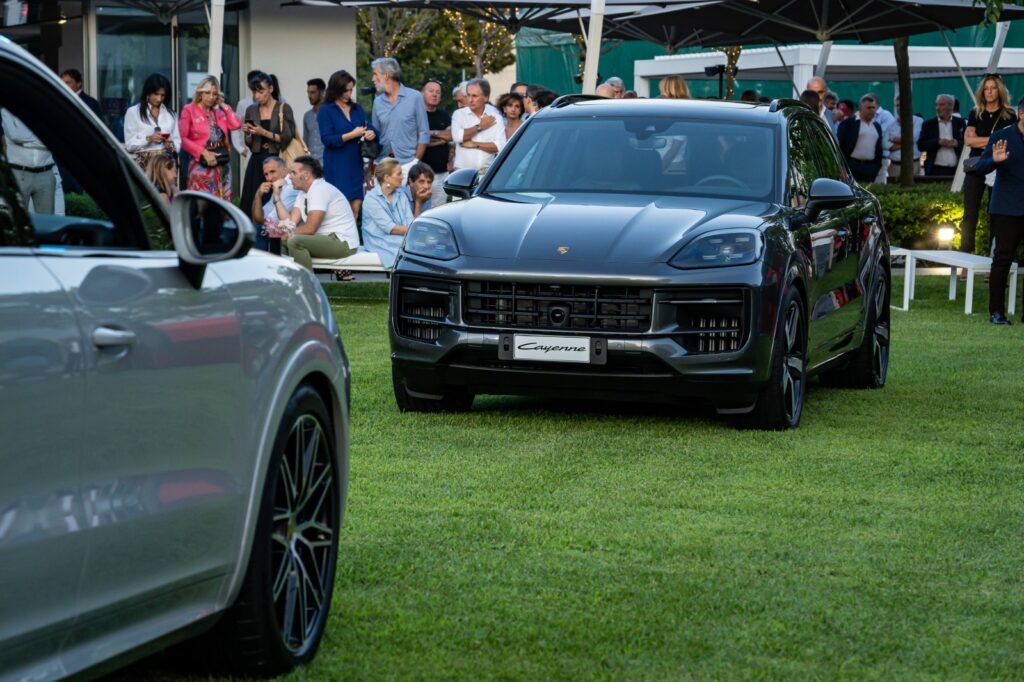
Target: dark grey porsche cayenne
(653, 250)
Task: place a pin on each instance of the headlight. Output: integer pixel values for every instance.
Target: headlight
(717, 249)
(431, 238)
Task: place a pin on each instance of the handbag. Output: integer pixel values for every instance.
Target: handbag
(222, 154)
(369, 149)
(971, 164)
(296, 148)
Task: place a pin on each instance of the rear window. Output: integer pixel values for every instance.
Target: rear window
(641, 155)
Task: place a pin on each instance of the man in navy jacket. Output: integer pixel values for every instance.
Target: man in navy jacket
(1004, 154)
(942, 139)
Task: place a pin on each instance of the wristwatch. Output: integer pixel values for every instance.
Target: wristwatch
(478, 128)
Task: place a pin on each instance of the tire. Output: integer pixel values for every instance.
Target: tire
(281, 611)
(780, 404)
(868, 366)
(452, 400)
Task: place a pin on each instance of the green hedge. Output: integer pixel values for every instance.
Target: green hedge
(82, 205)
(913, 215)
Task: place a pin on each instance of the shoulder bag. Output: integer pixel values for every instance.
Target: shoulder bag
(296, 147)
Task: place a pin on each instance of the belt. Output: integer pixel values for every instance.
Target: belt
(31, 169)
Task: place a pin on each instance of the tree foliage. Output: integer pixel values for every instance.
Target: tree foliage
(431, 44)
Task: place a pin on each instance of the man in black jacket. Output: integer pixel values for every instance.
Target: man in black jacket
(860, 139)
(73, 79)
(942, 139)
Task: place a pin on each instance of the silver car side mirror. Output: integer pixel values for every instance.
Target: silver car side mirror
(205, 230)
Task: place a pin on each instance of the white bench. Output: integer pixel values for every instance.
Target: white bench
(955, 260)
(360, 261)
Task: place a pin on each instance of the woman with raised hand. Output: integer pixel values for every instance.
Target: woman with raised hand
(386, 213)
(205, 124)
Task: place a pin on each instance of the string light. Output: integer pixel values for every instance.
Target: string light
(732, 57)
(494, 39)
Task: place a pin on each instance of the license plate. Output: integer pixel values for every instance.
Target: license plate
(551, 348)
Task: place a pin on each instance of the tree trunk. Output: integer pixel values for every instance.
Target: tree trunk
(899, 46)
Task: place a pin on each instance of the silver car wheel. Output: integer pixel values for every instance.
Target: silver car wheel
(302, 534)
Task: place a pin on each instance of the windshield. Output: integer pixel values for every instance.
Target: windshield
(641, 155)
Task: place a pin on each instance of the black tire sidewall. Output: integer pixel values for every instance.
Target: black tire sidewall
(259, 581)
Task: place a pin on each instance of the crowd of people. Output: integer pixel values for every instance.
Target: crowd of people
(354, 179)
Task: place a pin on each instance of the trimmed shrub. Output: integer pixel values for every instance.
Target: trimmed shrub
(83, 206)
(912, 215)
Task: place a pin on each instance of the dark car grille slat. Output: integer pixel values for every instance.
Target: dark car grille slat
(554, 307)
(711, 321)
(424, 308)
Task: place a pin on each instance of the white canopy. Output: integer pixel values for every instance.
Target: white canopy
(797, 63)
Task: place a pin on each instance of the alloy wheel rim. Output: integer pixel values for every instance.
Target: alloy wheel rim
(880, 334)
(793, 364)
(303, 533)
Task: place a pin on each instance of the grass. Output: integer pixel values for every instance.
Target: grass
(531, 540)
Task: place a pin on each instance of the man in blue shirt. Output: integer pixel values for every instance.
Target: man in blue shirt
(1004, 154)
(399, 114)
(264, 213)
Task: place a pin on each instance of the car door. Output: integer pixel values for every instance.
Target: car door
(43, 423)
(161, 461)
(821, 241)
(852, 225)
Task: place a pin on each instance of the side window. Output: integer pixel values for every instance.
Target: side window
(69, 179)
(803, 169)
(830, 164)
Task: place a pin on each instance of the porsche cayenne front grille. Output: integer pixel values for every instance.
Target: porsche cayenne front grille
(556, 307)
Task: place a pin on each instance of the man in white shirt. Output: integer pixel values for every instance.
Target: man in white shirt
(861, 140)
(32, 164)
(324, 224)
(477, 129)
(942, 139)
(894, 134)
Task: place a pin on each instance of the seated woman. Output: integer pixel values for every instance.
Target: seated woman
(386, 213)
(418, 189)
(162, 171)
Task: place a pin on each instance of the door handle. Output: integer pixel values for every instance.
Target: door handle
(108, 337)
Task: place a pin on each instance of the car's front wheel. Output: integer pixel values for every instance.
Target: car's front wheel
(279, 617)
(781, 403)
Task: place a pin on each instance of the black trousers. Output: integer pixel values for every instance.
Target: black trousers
(974, 192)
(1007, 231)
(864, 171)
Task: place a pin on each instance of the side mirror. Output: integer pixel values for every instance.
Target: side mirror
(205, 230)
(460, 183)
(826, 194)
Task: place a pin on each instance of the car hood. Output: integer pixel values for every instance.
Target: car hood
(588, 227)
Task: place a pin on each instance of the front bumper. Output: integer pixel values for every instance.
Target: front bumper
(656, 364)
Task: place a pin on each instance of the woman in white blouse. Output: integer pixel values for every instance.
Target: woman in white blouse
(150, 128)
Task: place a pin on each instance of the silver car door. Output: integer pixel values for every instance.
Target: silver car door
(43, 428)
(160, 473)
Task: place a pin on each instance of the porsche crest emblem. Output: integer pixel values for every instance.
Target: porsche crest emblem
(562, 250)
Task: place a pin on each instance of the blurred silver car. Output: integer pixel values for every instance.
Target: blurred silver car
(173, 421)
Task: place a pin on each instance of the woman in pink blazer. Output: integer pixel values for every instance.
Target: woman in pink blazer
(204, 127)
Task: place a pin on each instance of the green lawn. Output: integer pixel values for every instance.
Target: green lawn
(527, 541)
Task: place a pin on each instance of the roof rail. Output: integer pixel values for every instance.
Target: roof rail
(572, 99)
(780, 102)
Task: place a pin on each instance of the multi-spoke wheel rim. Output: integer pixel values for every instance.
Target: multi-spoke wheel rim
(794, 359)
(303, 533)
(880, 333)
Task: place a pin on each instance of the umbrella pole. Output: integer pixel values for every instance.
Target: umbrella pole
(826, 48)
(216, 17)
(593, 46)
(785, 66)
